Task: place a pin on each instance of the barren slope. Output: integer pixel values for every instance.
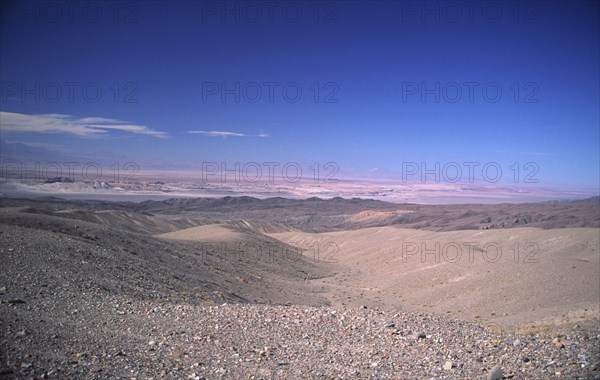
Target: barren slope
(516, 277)
(97, 256)
(316, 215)
(88, 291)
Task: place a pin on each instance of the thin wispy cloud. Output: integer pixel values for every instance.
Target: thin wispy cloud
(225, 134)
(59, 123)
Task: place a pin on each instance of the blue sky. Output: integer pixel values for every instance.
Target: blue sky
(168, 74)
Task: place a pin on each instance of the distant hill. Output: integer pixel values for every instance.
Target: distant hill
(315, 214)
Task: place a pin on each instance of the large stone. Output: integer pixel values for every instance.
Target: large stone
(495, 373)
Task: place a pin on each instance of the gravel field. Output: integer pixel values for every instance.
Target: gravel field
(100, 337)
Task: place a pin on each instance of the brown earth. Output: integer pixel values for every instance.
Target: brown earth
(315, 288)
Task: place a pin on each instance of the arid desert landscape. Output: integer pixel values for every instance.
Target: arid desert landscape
(299, 189)
(240, 287)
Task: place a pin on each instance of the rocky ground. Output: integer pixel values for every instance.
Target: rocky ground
(100, 337)
(84, 296)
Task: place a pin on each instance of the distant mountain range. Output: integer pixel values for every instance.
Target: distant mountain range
(18, 151)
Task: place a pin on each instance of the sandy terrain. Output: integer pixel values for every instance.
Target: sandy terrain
(211, 232)
(524, 277)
